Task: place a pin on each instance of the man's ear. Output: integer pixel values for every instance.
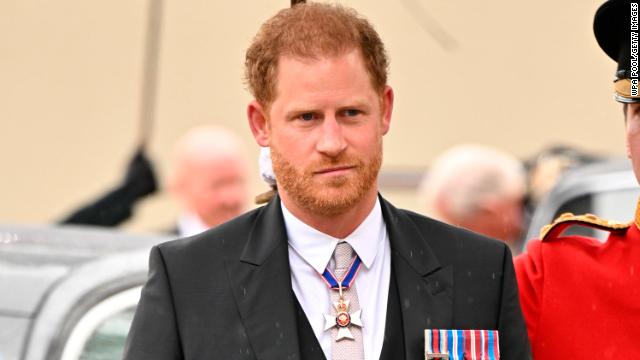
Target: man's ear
(258, 123)
(387, 109)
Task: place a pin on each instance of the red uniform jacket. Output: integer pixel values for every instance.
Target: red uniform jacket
(581, 297)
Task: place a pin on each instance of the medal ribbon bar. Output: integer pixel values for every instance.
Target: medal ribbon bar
(461, 344)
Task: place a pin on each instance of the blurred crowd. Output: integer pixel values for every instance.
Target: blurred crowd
(473, 186)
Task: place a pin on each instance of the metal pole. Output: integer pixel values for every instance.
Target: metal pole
(150, 72)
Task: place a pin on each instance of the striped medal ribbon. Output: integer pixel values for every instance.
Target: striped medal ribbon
(461, 344)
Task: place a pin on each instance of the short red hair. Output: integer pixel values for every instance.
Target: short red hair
(312, 31)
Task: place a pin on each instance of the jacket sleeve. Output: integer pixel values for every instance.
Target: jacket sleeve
(530, 275)
(154, 331)
(117, 205)
(514, 343)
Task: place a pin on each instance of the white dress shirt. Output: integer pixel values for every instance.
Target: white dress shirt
(310, 252)
(190, 224)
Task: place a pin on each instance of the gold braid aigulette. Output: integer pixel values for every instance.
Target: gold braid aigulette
(589, 220)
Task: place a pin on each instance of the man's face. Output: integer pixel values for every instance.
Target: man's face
(325, 131)
(216, 189)
(633, 136)
(509, 216)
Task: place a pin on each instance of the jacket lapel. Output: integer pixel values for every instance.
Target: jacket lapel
(425, 288)
(261, 284)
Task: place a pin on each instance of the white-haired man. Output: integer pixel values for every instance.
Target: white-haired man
(209, 178)
(479, 188)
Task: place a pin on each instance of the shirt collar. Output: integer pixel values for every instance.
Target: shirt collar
(190, 224)
(316, 247)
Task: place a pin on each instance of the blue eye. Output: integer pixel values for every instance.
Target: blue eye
(307, 116)
(351, 112)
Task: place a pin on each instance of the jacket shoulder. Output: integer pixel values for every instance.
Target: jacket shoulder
(225, 238)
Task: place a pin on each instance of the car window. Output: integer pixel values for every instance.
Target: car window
(107, 341)
(101, 332)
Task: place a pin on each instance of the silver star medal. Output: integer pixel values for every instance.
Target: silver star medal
(343, 319)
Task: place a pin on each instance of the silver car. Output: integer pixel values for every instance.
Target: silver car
(68, 293)
(607, 189)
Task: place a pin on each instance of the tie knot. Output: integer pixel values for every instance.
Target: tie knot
(342, 255)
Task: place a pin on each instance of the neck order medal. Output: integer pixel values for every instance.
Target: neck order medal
(343, 319)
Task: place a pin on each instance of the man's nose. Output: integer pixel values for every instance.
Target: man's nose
(331, 141)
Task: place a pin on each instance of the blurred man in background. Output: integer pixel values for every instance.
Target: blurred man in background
(478, 188)
(580, 296)
(209, 179)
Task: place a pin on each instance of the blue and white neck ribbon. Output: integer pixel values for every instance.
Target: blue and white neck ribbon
(348, 279)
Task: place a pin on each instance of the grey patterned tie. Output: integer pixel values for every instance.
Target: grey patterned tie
(345, 349)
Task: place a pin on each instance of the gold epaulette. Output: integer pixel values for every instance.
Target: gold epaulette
(589, 220)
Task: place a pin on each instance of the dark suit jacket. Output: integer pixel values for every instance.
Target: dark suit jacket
(226, 293)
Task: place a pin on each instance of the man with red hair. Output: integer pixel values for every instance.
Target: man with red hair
(328, 269)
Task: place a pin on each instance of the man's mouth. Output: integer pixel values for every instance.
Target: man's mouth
(335, 170)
